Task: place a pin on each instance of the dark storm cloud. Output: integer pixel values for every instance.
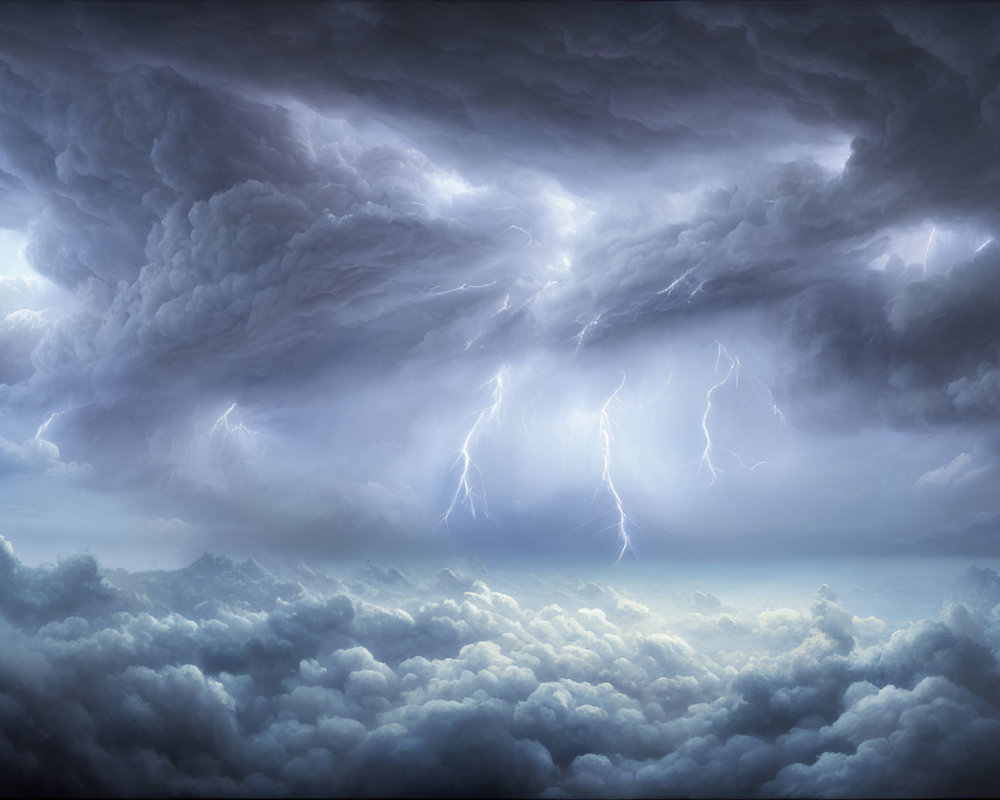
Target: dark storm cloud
(245, 227)
(950, 334)
(257, 204)
(251, 258)
(922, 354)
(147, 177)
(532, 79)
(223, 679)
(536, 80)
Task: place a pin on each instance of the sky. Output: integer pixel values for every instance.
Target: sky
(389, 287)
(721, 276)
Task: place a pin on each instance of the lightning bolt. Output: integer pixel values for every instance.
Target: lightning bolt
(666, 385)
(45, 425)
(928, 248)
(545, 287)
(522, 230)
(988, 241)
(504, 306)
(224, 423)
(732, 372)
(464, 492)
(529, 416)
(584, 331)
(437, 291)
(675, 282)
(706, 455)
(606, 479)
(779, 415)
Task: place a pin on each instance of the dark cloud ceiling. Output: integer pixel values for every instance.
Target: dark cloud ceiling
(346, 218)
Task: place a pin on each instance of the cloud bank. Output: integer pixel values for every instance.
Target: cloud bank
(224, 679)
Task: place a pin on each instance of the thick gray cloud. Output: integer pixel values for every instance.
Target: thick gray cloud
(222, 678)
(348, 219)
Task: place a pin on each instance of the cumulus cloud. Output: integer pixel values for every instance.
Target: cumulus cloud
(37, 456)
(222, 678)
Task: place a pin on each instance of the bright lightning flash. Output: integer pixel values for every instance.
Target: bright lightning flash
(676, 281)
(437, 291)
(706, 455)
(464, 492)
(223, 423)
(584, 331)
(927, 249)
(732, 373)
(606, 480)
(45, 425)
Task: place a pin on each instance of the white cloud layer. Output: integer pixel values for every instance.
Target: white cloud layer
(222, 679)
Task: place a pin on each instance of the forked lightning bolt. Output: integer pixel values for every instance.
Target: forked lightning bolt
(223, 423)
(676, 282)
(779, 415)
(732, 372)
(706, 455)
(464, 492)
(606, 479)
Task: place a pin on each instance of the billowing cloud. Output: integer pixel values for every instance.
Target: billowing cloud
(222, 678)
(273, 260)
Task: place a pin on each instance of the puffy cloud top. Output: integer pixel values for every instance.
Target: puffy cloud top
(377, 684)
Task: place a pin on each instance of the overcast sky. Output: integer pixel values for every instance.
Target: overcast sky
(659, 279)
(629, 318)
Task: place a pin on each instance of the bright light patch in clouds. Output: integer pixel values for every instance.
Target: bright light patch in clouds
(450, 186)
(23, 290)
(313, 282)
(12, 244)
(570, 213)
(832, 155)
(931, 247)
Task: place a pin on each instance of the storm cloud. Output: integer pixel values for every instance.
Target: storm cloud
(303, 210)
